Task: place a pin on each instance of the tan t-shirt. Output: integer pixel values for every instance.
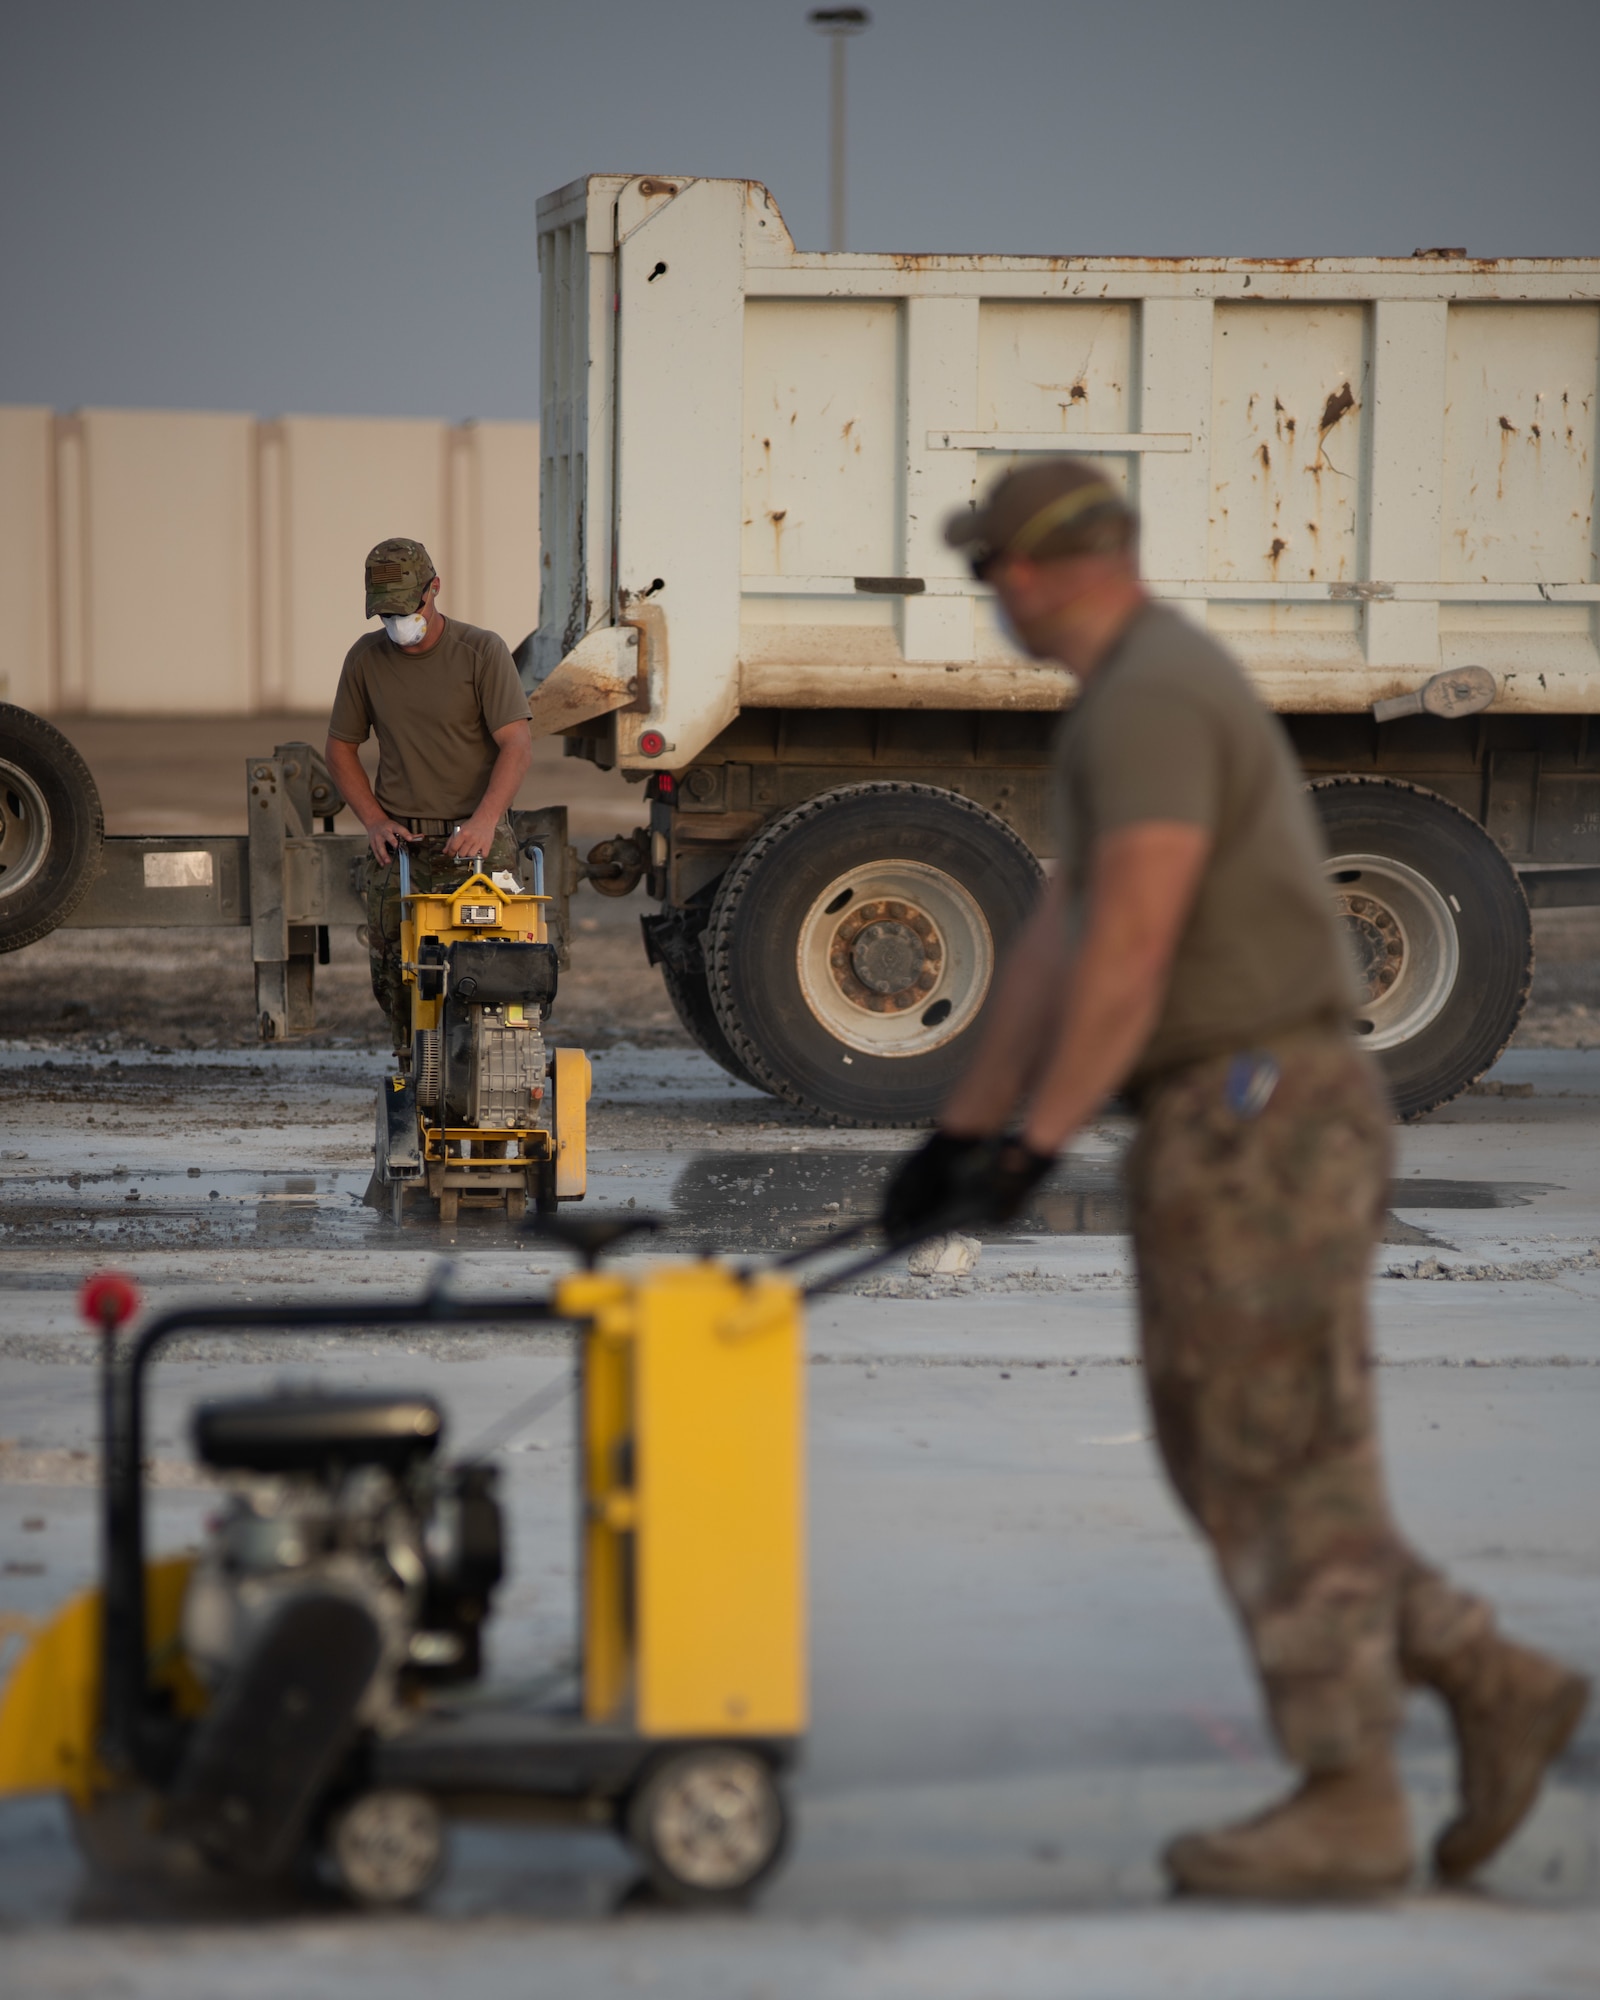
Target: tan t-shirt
(435, 714)
(1168, 728)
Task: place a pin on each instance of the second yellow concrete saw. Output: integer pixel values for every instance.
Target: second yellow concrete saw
(306, 1698)
(303, 1697)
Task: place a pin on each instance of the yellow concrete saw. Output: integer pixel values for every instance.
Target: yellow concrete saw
(481, 1109)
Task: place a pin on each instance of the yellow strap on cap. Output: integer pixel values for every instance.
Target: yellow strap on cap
(1064, 508)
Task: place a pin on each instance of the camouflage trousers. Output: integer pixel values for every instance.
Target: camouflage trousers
(1254, 1239)
(429, 870)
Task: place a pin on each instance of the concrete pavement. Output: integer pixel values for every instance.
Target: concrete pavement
(1024, 1679)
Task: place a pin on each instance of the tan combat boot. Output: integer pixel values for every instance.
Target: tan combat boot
(1343, 1835)
(1514, 1712)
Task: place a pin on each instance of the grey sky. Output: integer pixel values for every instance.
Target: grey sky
(330, 206)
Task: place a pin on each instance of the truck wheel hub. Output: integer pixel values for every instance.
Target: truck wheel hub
(24, 828)
(895, 957)
(1377, 942)
(1402, 934)
(886, 955)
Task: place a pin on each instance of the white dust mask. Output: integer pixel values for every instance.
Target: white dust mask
(407, 631)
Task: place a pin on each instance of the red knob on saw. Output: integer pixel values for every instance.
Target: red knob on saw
(108, 1299)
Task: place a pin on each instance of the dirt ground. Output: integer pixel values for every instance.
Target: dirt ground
(194, 989)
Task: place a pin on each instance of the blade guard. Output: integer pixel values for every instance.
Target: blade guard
(399, 1136)
(50, 1704)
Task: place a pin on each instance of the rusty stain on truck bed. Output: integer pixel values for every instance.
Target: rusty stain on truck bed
(1199, 266)
(1336, 406)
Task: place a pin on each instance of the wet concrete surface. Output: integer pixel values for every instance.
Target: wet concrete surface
(749, 1201)
(1024, 1680)
(716, 1203)
(724, 1200)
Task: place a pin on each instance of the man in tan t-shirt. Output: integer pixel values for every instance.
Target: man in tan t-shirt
(453, 746)
(1186, 950)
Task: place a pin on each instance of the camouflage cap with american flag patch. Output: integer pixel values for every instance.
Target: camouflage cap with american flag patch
(398, 572)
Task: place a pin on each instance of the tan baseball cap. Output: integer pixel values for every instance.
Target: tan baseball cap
(398, 572)
(1056, 507)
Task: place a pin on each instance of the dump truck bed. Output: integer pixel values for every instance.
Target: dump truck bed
(1356, 471)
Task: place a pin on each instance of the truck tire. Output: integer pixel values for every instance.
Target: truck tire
(672, 942)
(1440, 929)
(51, 828)
(691, 1002)
(854, 942)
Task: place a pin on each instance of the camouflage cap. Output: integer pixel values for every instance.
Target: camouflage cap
(1054, 507)
(398, 572)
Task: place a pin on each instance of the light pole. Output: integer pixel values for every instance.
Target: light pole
(838, 24)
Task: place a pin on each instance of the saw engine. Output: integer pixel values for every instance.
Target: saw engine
(484, 1067)
(338, 1496)
(346, 1572)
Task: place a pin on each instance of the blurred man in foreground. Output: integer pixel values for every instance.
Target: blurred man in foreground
(1186, 952)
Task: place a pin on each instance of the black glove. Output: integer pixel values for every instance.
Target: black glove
(951, 1183)
(1016, 1171)
(925, 1184)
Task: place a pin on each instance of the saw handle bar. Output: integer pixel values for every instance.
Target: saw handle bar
(858, 1267)
(841, 1239)
(477, 868)
(134, 1737)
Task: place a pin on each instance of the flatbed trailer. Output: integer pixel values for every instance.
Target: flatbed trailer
(289, 880)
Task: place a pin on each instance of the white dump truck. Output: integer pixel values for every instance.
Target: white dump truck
(1373, 478)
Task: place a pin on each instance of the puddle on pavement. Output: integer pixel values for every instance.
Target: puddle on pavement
(1416, 1192)
(765, 1201)
(173, 1208)
(724, 1201)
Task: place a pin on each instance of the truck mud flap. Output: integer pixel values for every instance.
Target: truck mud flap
(259, 1761)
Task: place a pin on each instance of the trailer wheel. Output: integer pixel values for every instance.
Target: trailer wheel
(709, 1824)
(386, 1847)
(1440, 929)
(854, 942)
(51, 828)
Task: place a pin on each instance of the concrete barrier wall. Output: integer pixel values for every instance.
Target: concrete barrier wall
(27, 558)
(163, 562)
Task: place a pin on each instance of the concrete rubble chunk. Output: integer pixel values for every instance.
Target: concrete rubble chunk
(952, 1256)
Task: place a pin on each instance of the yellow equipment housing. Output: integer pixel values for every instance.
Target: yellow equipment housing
(541, 1151)
(693, 1475)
